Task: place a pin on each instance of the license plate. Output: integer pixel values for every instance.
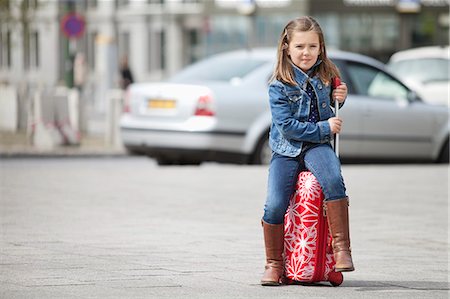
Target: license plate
(161, 104)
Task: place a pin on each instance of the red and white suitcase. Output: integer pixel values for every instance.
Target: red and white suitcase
(308, 255)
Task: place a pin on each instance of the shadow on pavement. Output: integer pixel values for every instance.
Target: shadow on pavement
(365, 286)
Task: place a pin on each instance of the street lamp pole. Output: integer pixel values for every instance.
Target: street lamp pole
(69, 50)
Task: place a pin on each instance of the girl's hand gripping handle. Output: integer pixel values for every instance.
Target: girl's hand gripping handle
(335, 82)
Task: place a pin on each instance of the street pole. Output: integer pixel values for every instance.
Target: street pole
(69, 50)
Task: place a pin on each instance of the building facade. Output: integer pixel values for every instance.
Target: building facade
(158, 36)
(161, 36)
(379, 28)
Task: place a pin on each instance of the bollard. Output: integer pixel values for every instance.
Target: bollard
(114, 110)
(74, 105)
(9, 108)
(66, 104)
(45, 135)
(55, 118)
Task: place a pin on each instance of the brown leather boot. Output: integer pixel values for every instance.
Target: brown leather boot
(274, 243)
(337, 214)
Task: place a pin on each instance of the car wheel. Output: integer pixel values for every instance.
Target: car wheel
(131, 151)
(163, 161)
(445, 152)
(263, 153)
(189, 162)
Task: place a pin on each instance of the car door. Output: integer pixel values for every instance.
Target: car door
(351, 114)
(392, 125)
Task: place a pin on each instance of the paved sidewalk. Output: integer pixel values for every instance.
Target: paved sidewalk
(126, 228)
(92, 145)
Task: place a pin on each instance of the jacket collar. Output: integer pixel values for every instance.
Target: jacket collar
(300, 76)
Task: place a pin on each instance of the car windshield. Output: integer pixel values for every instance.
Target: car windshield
(423, 70)
(222, 68)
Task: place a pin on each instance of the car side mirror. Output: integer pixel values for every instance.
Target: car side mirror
(235, 81)
(413, 96)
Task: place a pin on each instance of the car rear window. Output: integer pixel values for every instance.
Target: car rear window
(218, 69)
(423, 70)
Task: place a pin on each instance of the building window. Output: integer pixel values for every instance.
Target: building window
(229, 32)
(156, 57)
(366, 33)
(34, 50)
(31, 50)
(5, 5)
(120, 3)
(162, 56)
(30, 4)
(91, 50)
(194, 40)
(2, 49)
(124, 44)
(8, 49)
(92, 3)
(26, 50)
(81, 5)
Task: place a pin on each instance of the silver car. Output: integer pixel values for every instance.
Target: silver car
(425, 70)
(218, 110)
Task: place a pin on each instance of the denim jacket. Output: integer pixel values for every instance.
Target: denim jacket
(290, 107)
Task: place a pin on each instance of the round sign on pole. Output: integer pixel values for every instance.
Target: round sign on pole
(72, 25)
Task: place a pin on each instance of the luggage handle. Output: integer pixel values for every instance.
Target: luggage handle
(335, 82)
(336, 137)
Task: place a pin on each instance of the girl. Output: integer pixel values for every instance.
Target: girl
(302, 128)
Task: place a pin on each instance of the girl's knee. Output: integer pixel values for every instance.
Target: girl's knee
(336, 181)
(274, 214)
(335, 188)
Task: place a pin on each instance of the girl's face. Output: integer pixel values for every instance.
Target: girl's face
(304, 49)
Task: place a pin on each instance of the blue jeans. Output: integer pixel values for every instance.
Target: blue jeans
(283, 172)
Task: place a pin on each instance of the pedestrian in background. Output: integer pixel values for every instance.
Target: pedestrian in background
(126, 76)
(79, 71)
(303, 125)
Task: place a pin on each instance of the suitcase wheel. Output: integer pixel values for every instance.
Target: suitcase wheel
(336, 278)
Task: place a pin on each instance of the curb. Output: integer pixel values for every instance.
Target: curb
(62, 153)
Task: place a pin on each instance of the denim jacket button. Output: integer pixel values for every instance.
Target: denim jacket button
(319, 86)
(324, 105)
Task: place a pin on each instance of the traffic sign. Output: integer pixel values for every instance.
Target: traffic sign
(73, 25)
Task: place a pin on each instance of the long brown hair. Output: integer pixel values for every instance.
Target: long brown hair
(283, 69)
